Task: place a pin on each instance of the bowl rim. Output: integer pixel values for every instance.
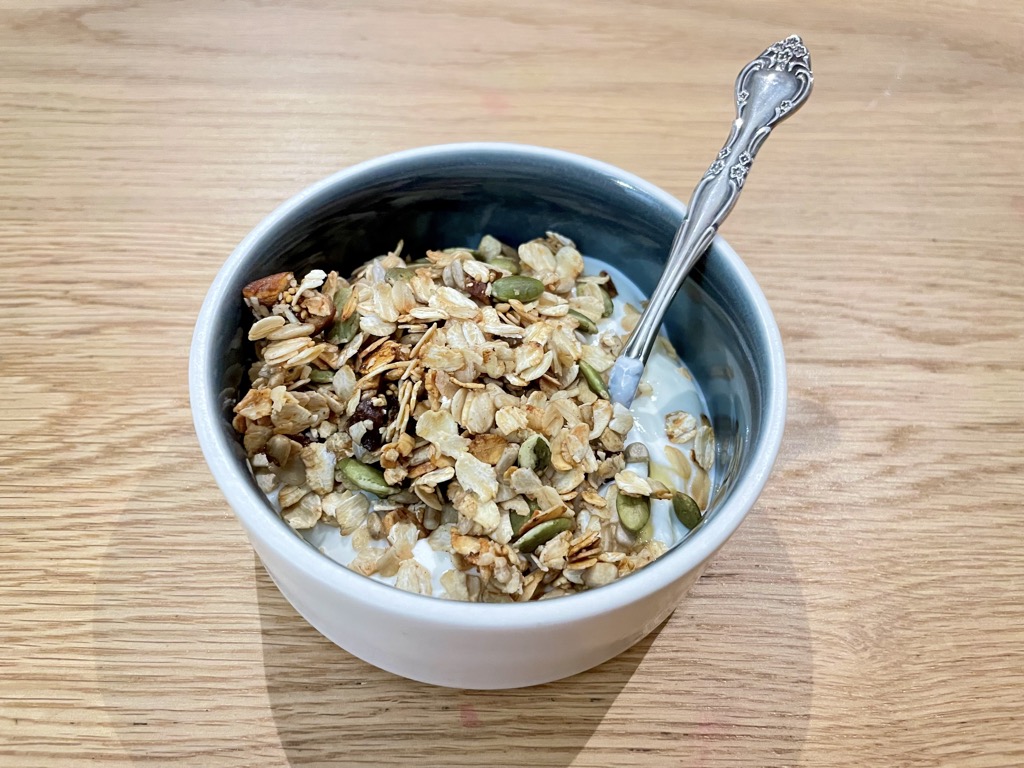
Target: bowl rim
(261, 520)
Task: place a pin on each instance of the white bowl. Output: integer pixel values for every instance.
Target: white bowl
(720, 322)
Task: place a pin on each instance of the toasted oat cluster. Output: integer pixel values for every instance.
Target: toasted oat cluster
(457, 399)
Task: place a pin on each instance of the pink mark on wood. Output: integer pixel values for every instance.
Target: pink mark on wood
(494, 102)
(468, 716)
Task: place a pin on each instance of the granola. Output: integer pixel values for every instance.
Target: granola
(455, 405)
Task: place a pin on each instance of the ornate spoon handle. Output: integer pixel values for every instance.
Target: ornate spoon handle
(768, 90)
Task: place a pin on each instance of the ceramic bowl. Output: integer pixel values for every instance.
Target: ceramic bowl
(720, 323)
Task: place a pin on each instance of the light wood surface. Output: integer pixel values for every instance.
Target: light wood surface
(869, 612)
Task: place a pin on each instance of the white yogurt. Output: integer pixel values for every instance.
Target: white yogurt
(672, 389)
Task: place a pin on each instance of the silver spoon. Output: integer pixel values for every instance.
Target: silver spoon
(768, 90)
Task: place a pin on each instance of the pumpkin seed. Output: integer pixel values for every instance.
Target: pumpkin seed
(583, 322)
(520, 287)
(364, 477)
(506, 264)
(517, 521)
(594, 380)
(542, 533)
(535, 453)
(343, 331)
(637, 453)
(321, 377)
(686, 510)
(609, 308)
(421, 263)
(394, 274)
(633, 511)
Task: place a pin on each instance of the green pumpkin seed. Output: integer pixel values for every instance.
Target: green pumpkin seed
(421, 263)
(636, 453)
(343, 331)
(517, 521)
(609, 308)
(394, 274)
(506, 264)
(535, 453)
(686, 510)
(633, 511)
(321, 377)
(594, 380)
(583, 322)
(525, 289)
(364, 477)
(542, 533)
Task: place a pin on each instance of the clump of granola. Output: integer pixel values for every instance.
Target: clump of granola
(452, 399)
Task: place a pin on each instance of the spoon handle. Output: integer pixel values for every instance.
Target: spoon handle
(768, 90)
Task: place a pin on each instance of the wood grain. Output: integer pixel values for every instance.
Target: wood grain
(869, 613)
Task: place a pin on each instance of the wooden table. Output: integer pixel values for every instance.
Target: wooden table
(869, 612)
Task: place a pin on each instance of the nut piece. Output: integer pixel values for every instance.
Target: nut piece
(363, 477)
(267, 289)
(520, 287)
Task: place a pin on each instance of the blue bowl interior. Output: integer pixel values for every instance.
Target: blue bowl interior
(448, 199)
